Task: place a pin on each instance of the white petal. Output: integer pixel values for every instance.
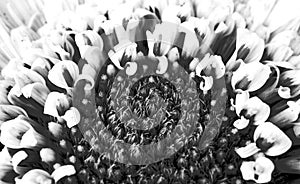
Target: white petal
(89, 83)
(219, 66)
(259, 109)
(173, 54)
(170, 13)
(66, 170)
(131, 68)
(264, 168)
(247, 151)
(193, 64)
(18, 158)
(191, 43)
(72, 117)
(28, 139)
(251, 41)
(56, 73)
(93, 37)
(120, 49)
(93, 57)
(34, 176)
(247, 170)
(240, 100)
(254, 75)
(284, 92)
(166, 33)
(162, 65)
(53, 100)
(202, 64)
(241, 123)
(271, 133)
(207, 84)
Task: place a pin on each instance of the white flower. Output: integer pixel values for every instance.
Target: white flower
(259, 170)
(250, 77)
(250, 110)
(22, 132)
(269, 139)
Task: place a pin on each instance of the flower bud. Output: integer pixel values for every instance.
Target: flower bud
(56, 129)
(50, 156)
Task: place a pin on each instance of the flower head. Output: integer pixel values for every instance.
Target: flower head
(269, 139)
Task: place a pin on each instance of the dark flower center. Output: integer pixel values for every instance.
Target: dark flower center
(263, 144)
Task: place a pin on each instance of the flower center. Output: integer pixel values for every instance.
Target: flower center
(263, 144)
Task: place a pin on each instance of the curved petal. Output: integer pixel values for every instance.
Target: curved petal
(63, 74)
(250, 46)
(162, 65)
(240, 100)
(65, 170)
(251, 76)
(207, 84)
(24, 160)
(289, 82)
(257, 109)
(248, 150)
(89, 37)
(241, 123)
(72, 117)
(272, 134)
(131, 68)
(56, 104)
(93, 56)
(88, 82)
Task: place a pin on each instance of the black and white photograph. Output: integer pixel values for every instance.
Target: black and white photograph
(149, 92)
